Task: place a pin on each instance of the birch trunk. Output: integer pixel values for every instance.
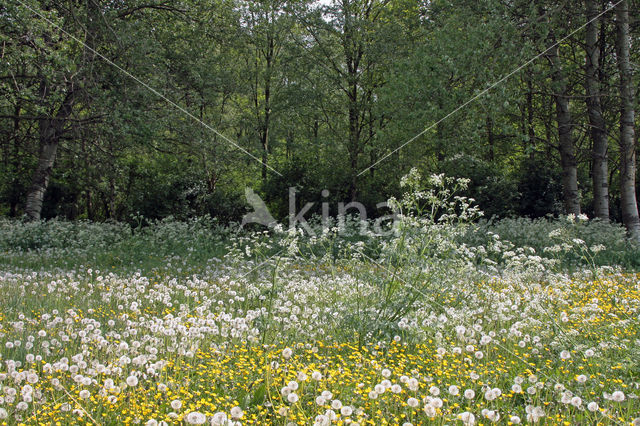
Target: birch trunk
(50, 129)
(597, 123)
(628, 200)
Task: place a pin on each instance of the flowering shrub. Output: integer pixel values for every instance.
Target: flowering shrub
(606, 242)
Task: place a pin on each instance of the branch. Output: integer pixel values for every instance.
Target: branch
(35, 118)
(154, 6)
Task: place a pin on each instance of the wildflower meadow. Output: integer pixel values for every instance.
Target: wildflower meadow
(436, 317)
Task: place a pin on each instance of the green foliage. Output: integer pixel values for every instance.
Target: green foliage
(332, 88)
(540, 192)
(56, 243)
(493, 190)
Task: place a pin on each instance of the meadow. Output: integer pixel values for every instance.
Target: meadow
(444, 318)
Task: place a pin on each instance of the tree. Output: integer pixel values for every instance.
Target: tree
(597, 123)
(629, 204)
(319, 91)
(47, 87)
(268, 26)
(346, 35)
(568, 162)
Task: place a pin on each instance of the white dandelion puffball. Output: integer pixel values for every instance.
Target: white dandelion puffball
(219, 419)
(176, 404)
(286, 353)
(467, 418)
(430, 410)
(489, 395)
(346, 411)
(617, 396)
(321, 420)
(413, 384)
(292, 398)
(195, 418)
(132, 381)
(236, 412)
(436, 403)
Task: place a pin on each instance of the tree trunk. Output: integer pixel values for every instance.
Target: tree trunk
(568, 160)
(14, 195)
(531, 130)
(267, 106)
(596, 120)
(50, 129)
(353, 53)
(628, 201)
(490, 138)
(354, 142)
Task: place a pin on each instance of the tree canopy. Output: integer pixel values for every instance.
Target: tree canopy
(111, 109)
